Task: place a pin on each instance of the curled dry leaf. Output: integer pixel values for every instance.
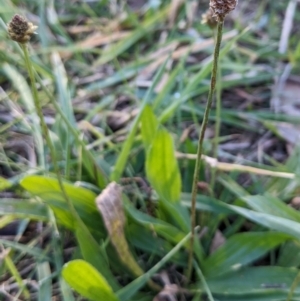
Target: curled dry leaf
(110, 205)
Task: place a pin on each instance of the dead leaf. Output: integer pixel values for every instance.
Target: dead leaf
(110, 205)
(218, 240)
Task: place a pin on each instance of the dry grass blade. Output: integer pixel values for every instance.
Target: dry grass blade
(214, 163)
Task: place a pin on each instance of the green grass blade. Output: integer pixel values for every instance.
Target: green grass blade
(130, 290)
(45, 282)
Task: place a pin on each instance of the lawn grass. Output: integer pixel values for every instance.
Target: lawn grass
(123, 88)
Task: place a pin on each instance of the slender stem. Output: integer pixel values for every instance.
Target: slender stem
(45, 131)
(293, 287)
(200, 145)
(217, 127)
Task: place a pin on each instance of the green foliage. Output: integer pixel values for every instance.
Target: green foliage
(84, 201)
(87, 281)
(123, 94)
(162, 167)
(241, 249)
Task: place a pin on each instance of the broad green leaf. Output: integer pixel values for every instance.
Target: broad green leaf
(266, 296)
(162, 167)
(272, 205)
(254, 281)
(87, 281)
(48, 190)
(272, 222)
(285, 259)
(279, 224)
(170, 212)
(242, 249)
(84, 201)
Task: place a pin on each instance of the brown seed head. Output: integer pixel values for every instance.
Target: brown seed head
(221, 8)
(209, 19)
(20, 30)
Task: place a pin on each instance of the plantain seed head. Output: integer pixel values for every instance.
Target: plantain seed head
(221, 8)
(20, 30)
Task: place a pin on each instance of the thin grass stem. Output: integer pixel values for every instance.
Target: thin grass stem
(200, 145)
(45, 131)
(217, 127)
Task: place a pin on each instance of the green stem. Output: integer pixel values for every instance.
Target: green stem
(217, 127)
(293, 287)
(45, 130)
(200, 145)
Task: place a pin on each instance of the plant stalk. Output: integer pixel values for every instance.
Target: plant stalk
(45, 131)
(200, 145)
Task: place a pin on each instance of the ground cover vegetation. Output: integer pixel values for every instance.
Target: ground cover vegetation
(100, 116)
